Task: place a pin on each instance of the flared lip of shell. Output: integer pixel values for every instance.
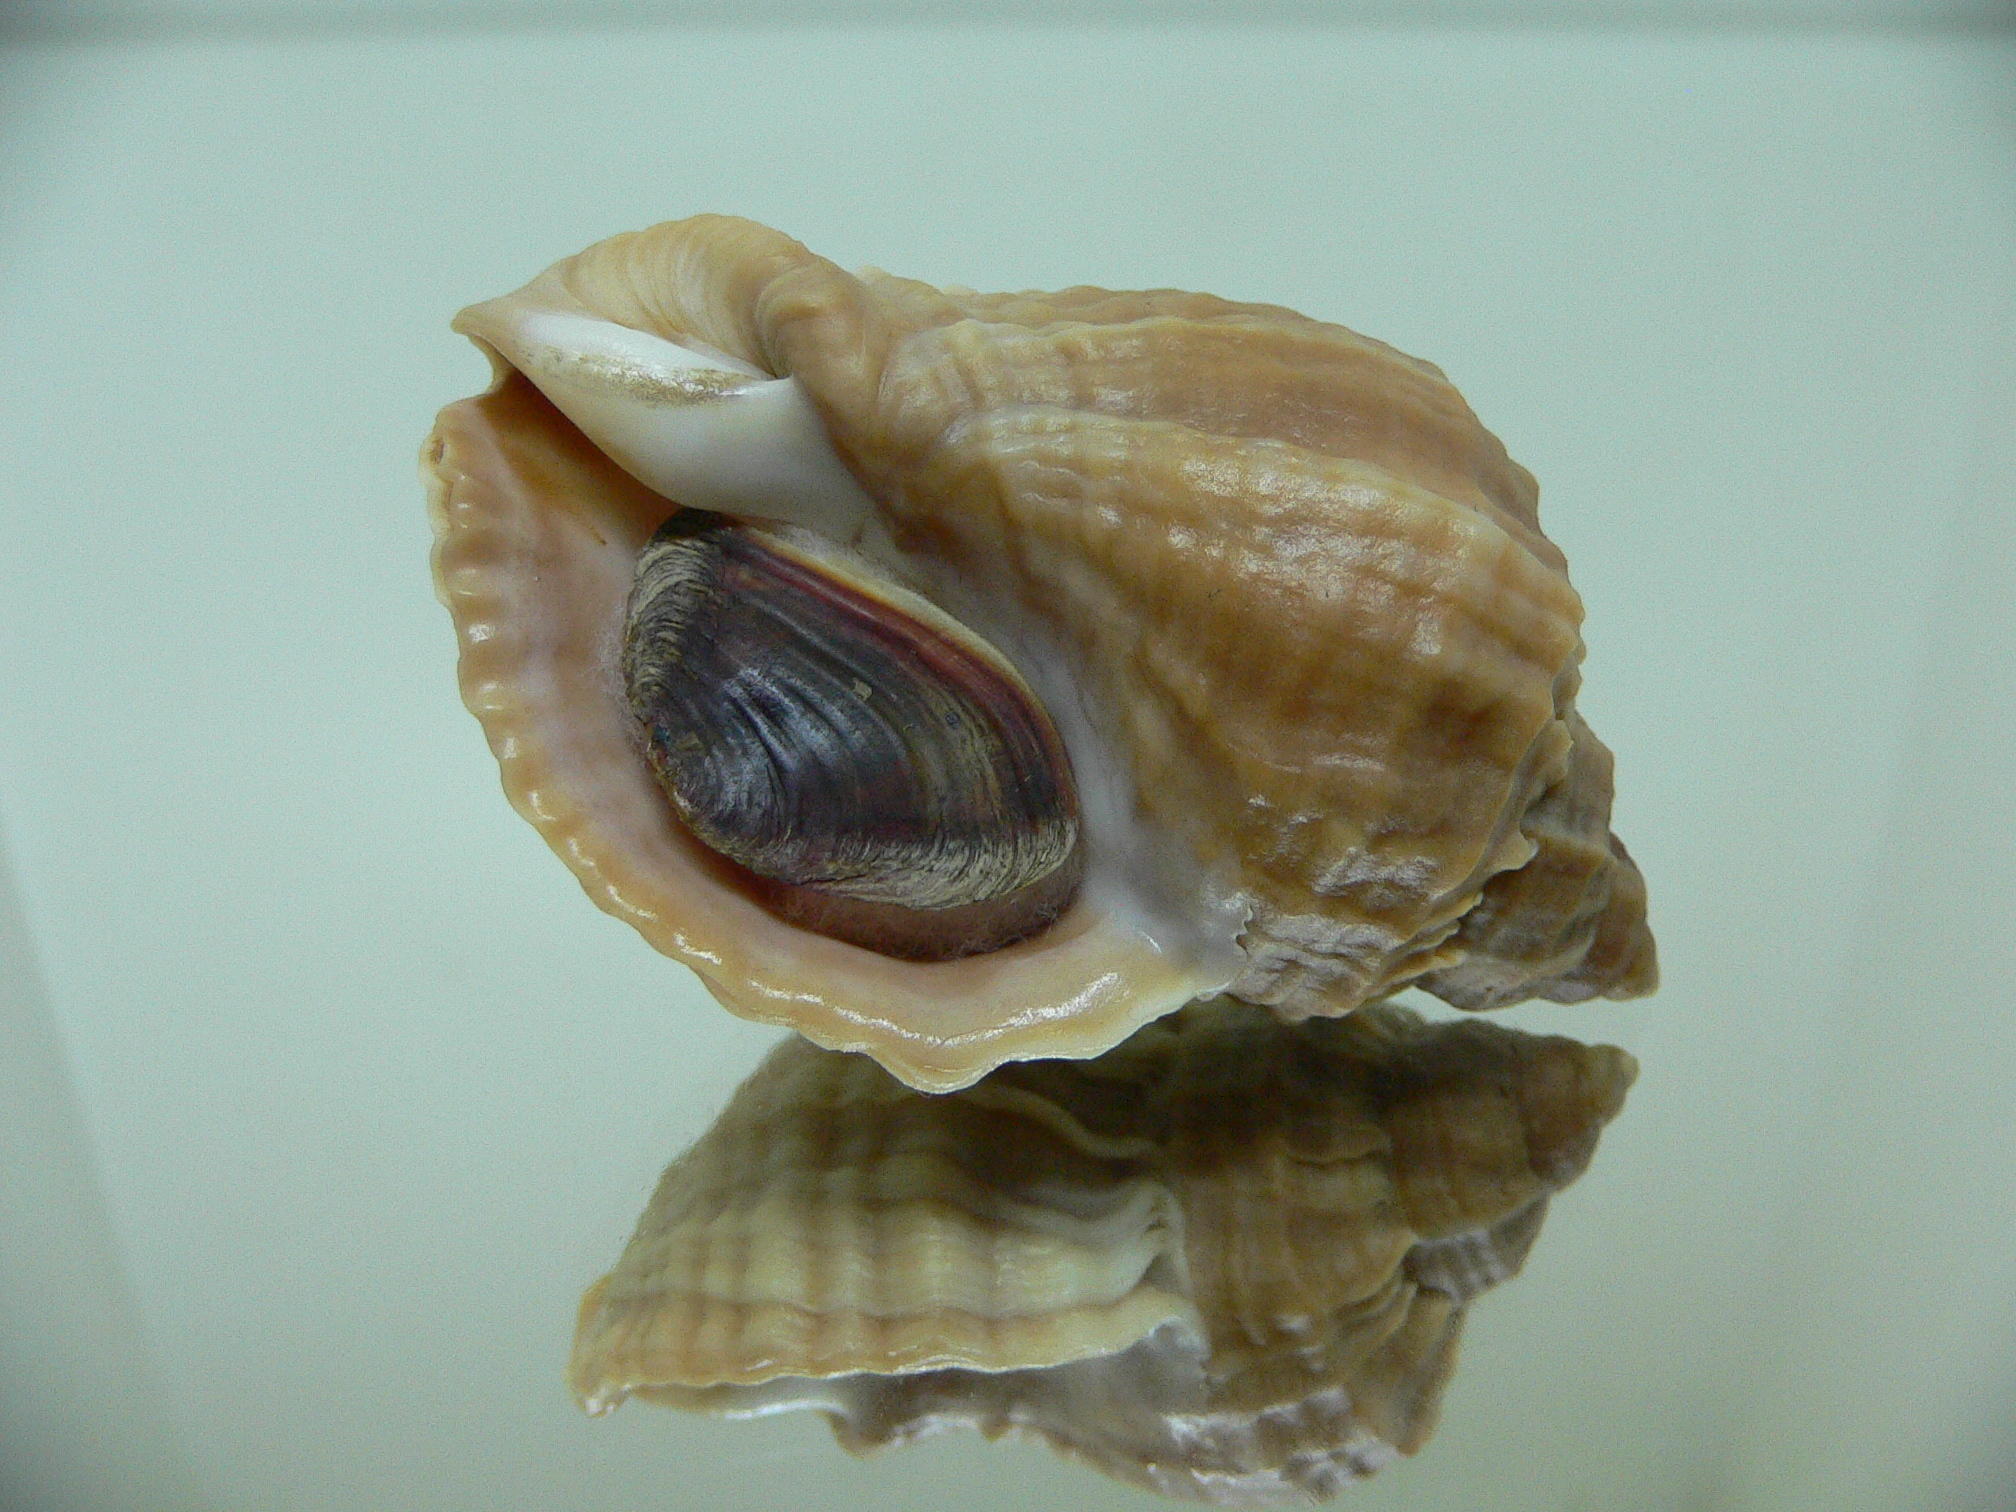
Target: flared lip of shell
(570, 767)
(616, 1354)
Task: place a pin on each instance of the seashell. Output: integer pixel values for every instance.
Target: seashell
(1228, 1260)
(1284, 602)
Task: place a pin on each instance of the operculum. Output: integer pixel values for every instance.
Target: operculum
(877, 772)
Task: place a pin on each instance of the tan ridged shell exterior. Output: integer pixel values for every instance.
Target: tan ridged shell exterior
(1228, 1260)
(1298, 596)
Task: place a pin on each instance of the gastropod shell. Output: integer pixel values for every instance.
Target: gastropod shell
(1139, 646)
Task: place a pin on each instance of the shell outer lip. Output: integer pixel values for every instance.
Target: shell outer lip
(1100, 978)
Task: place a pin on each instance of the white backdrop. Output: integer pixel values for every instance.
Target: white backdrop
(326, 1092)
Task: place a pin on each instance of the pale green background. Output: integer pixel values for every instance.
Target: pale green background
(326, 1092)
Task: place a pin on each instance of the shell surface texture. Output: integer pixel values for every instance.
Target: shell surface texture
(964, 678)
(1229, 1260)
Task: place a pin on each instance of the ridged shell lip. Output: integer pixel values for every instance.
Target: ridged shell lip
(536, 533)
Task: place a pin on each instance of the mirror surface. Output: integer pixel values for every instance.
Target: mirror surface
(328, 1095)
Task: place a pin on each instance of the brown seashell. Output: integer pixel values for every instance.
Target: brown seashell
(1285, 600)
(1228, 1260)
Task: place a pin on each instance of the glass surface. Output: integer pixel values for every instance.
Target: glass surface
(328, 1093)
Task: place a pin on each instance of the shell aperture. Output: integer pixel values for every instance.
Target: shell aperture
(1229, 1260)
(884, 777)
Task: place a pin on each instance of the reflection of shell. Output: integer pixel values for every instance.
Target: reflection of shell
(1287, 602)
(1227, 1260)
